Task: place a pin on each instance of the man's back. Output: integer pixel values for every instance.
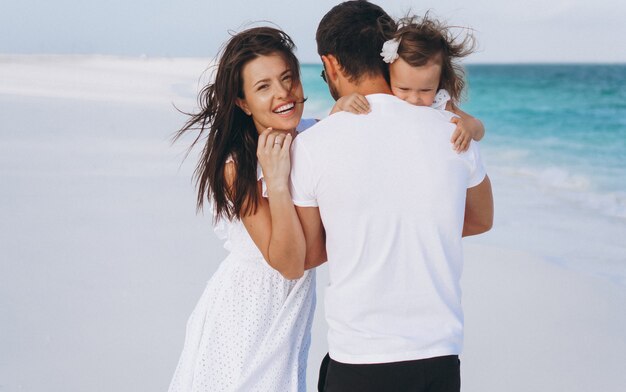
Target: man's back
(391, 193)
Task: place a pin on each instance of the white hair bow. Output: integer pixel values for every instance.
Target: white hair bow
(390, 50)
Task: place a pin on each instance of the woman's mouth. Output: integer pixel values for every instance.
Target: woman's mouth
(285, 109)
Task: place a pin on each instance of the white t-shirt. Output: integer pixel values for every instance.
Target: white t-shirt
(391, 193)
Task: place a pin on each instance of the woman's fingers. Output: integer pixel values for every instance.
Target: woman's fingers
(274, 156)
(266, 138)
(287, 143)
(263, 138)
(272, 141)
(277, 141)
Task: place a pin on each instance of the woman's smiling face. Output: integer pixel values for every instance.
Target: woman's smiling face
(270, 96)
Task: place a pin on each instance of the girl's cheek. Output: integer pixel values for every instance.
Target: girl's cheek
(400, 94)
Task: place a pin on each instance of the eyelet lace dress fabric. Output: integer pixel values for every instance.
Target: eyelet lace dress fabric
(441, 99)
(251, 329)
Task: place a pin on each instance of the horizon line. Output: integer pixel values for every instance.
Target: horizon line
(209, 58)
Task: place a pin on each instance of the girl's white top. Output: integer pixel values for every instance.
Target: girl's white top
(441, 99)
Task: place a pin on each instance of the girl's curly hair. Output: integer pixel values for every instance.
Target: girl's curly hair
(426, 39)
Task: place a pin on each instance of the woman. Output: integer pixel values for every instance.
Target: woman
(251, 328)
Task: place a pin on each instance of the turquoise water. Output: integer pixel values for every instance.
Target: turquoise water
(570, 116)
(561, 126)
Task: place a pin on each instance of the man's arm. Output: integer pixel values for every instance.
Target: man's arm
(478, 209)
(314, 236)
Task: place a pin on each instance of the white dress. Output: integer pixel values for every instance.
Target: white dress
(251, 329)
(441, 99)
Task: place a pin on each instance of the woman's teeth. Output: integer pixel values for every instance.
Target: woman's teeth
(285, 108)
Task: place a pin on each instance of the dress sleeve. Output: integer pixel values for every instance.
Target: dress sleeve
(302, 176)
(441, 99)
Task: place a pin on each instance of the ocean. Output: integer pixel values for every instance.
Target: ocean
(555, 149)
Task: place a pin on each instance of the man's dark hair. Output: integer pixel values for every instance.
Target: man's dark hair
(354, 32)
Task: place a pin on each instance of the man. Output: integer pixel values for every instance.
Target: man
(395, 201)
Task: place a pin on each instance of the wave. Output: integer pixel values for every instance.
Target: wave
(580, 189)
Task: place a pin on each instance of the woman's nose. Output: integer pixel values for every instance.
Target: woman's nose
(282, 90)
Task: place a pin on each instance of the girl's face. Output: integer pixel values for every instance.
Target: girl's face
(416, 85)
(269, 94)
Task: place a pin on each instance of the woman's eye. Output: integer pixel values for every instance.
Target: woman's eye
(262, 87)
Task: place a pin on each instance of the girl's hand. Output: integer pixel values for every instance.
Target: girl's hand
(273, 155)
(353, 103)
(462, 135)
(467, 128)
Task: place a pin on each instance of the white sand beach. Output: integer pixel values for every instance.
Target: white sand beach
(102, 254)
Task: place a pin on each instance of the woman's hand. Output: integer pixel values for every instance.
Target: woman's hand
(274, 226)
(273, 155)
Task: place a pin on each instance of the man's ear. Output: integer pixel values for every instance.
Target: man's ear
(243, 105)
(331, 66)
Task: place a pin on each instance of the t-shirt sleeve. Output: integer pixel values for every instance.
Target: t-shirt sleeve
(477, 168)
(302, 176)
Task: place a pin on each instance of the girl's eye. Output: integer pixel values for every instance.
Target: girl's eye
(286, 78)
(262, 87)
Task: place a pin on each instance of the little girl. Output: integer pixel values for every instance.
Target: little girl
(422, 71)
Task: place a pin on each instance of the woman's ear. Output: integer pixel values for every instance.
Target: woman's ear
(243, 105)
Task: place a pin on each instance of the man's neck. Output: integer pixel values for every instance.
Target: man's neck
(370, 85)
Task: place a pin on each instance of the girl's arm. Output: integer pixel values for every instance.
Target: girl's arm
(274, 226)
(467, 128)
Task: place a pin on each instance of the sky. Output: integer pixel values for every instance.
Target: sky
(507, 32)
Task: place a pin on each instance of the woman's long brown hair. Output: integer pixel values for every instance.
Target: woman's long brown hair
(228, 131)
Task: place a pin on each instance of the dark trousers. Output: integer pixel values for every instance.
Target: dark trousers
(440, 374)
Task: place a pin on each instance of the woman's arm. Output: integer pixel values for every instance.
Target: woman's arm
(314, 235)
(275, 227)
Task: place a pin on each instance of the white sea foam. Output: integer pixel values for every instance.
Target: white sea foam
(560, 178)
(581, 187)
